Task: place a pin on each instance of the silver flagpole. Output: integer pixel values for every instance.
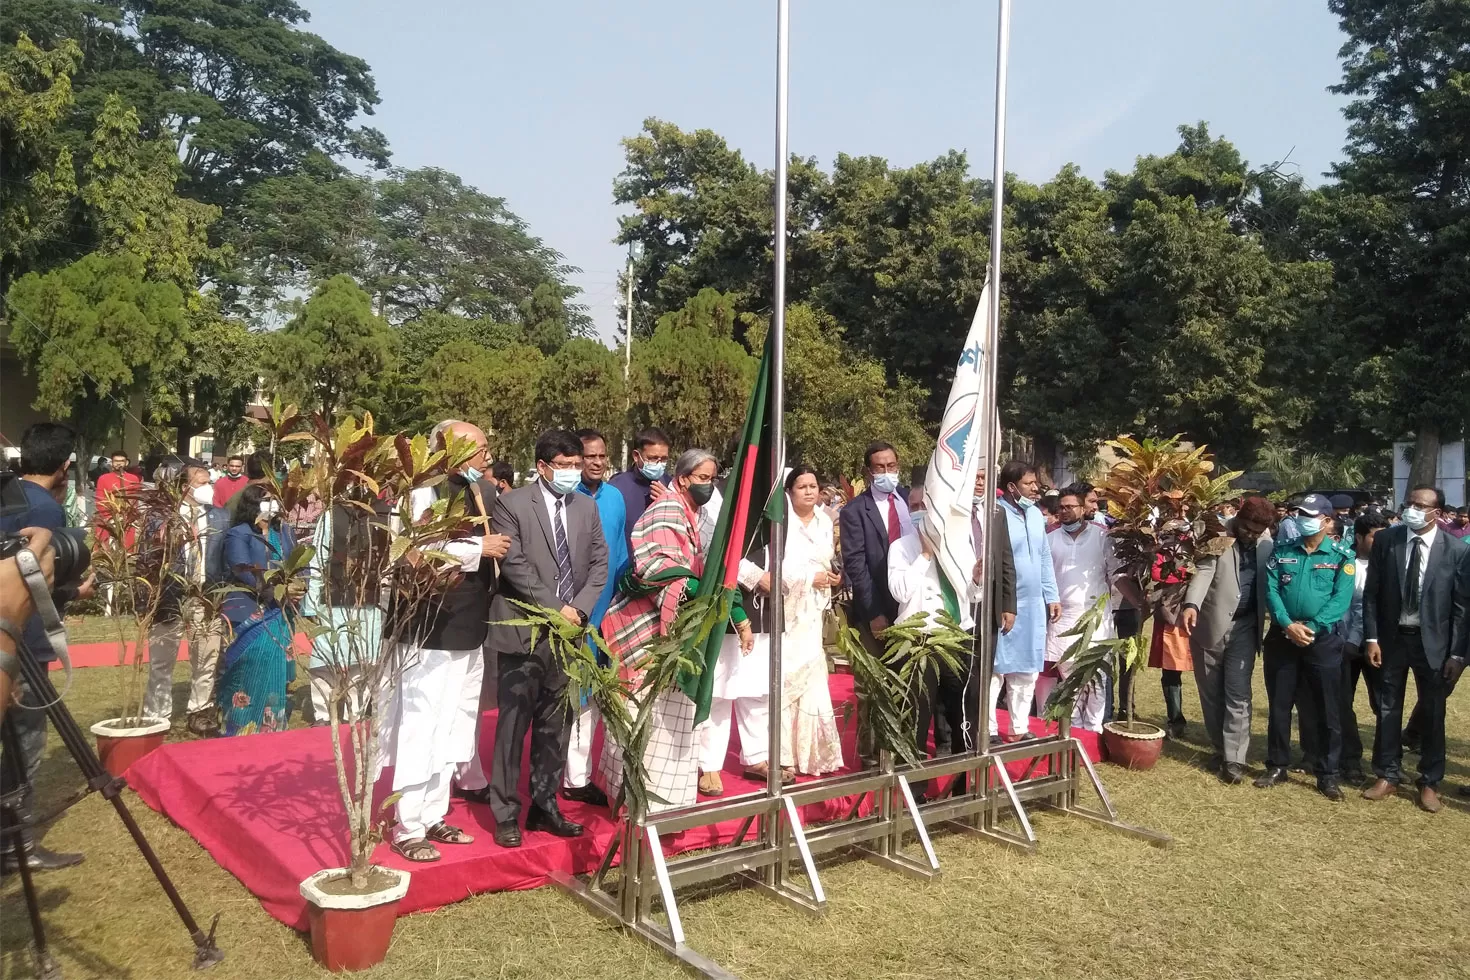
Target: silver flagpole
(989, 406)
(778, 401)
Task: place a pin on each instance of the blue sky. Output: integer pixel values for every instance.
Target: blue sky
(528, 101)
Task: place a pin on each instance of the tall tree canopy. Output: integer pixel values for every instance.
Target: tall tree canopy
(333, 351)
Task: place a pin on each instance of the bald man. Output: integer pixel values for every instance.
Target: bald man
(431, 718)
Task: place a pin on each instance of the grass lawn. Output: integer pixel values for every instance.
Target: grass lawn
(1261, 884)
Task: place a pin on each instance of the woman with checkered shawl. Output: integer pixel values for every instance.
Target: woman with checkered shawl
(667, 560)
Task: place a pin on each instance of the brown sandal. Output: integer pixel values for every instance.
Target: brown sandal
(443, 833)
(418, 850)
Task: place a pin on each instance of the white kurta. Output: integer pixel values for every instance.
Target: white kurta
(1084, 567)
(810, 740)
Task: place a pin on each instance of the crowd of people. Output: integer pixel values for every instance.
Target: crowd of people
(1328, 592)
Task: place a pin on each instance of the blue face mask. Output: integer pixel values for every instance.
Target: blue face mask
(1074, 526)
(471, 474)
(1309, 525)
(918, 518)
(653, 471)
(885, 482)
(1025, 503)
(565, 481)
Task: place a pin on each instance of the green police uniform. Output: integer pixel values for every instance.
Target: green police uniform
(1313, 588)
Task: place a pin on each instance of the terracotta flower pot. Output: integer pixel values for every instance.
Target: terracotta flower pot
(120, 747)
(352, 931)
(1134, 746)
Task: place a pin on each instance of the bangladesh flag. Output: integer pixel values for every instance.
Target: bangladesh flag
(750, 495)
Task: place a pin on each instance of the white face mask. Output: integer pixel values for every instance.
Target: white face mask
(204, 495)
(1415, 517)
(270, 508)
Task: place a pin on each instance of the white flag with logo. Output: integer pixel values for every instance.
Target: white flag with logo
(949, 485)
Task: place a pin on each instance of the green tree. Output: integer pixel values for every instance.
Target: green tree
(216, 380)
(838, 400)
(1396, 222)
(330, 354)
(691, 377)
(582, 387)
(496, 390)
(98, 334)
(38, 183)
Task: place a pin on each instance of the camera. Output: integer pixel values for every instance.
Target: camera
(70, 548)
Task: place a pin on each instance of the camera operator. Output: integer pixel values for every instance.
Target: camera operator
(16, 606)
(34, 501)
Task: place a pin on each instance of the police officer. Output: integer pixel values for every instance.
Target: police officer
(1309, 587)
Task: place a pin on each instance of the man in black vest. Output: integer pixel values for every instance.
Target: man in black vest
(431, 721)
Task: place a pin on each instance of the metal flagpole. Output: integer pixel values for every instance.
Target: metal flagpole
(628, 355)
(778, 400)
(989, 407)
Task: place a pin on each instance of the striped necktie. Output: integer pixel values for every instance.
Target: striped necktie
(563, 555)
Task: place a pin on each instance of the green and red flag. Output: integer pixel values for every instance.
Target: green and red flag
(750, 495)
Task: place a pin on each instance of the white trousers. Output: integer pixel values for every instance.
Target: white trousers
(1019, 689)
(205, 640)
(1088, 711)
(752, 715)
(422, 805)
(578, 772)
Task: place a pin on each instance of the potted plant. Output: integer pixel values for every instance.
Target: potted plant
(367, 546)
(147, 547)
(1159, 495)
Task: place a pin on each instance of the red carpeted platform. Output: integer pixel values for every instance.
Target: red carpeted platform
(106, 654)
(266, 807)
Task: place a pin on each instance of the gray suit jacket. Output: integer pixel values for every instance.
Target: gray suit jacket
(528, 572)
(1214, 590)
(1444, 602)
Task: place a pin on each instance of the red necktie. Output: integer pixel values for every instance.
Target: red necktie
(894, 530)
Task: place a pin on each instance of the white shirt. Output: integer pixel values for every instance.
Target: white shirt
(913, 581)
(905, 522)
(1407, 618)
(1083, 565)
(464, 550)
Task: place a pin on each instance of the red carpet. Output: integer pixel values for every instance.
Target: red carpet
(106, 654)
(266, 807)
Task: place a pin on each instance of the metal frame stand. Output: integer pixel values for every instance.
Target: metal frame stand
(648, 877)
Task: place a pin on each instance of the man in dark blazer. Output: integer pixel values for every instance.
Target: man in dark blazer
(872, 521)
(1414, 620)
(557, 560)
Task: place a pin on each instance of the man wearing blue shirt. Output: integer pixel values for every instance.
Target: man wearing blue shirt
(646, 480)
(612, 509)
(34, 500)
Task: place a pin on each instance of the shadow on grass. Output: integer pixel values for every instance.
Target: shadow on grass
(16, 951)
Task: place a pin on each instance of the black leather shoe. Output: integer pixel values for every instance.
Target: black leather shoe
(1232, 773)
(585, 794)
(552, 823)
(1271, 777)
(1354, 777)
(507, 834)
(481, 795)
(1330, 789)
(39, 858)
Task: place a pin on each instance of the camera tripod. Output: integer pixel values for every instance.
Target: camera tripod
(99, 780)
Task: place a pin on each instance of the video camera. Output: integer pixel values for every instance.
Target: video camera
(71, 560)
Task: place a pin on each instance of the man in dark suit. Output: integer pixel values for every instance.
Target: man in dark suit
(1414, 619)
(868, 525)
(557, 560)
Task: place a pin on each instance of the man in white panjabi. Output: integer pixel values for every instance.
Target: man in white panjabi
(1082, 558)
(431, 717)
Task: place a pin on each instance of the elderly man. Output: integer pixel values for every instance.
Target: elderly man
(432, 716)
(1224, 616)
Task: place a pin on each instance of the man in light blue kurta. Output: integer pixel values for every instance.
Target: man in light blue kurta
(613, 512)
(1020, 654)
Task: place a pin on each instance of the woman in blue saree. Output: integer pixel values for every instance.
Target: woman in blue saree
(257, 665)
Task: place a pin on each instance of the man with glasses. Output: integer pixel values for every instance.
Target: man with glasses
(646, 480)
(1309, 588)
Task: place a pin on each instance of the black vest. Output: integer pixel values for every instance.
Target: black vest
(461, 620)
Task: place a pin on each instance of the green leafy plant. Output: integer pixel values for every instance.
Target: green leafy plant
(1088, 658)
(887, 685)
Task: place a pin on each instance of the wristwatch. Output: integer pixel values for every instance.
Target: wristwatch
(581, 618)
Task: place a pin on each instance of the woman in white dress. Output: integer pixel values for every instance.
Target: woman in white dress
(811, 742)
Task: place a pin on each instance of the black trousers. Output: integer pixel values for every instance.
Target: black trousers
(1319, 667)
(529, 695)
(1403, 655)
(1354, 668)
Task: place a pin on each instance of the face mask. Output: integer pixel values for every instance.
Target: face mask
(978, 499)
(885, 482)
(471, 474)
(653, 471)
(1309, 525)
(918, 519)
(1025, 503)
(204, 495)
(269, 508)
(701, 493)
(1415, 517)
(1074, 526)
(565, 481)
